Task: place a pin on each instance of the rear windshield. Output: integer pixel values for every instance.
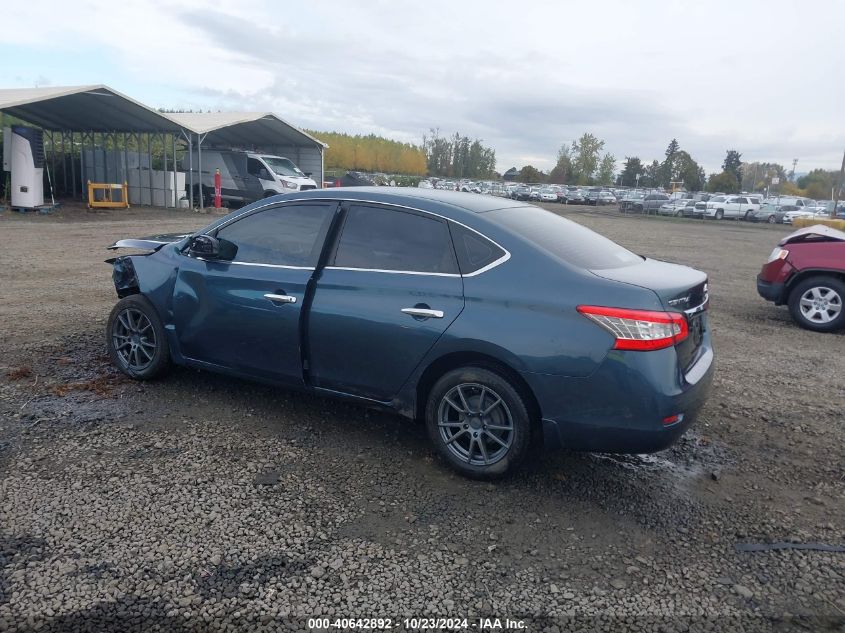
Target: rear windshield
(565, 239)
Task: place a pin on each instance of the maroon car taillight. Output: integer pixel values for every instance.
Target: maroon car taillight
(639, 330)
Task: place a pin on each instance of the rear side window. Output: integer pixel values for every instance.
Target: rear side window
(474, 251)
(290, 235)
(375, 238)
(564, 239)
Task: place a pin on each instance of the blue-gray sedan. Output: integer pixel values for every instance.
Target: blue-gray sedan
(497, 323)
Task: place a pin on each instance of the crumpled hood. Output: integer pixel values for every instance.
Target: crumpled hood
(828, 233)
(152, 243)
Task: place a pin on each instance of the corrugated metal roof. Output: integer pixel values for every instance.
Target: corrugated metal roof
(98, 108)
(245, 128)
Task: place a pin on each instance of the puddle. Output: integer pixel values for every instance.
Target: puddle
(652, 463)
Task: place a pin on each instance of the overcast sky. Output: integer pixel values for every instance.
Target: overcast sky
(762, 76)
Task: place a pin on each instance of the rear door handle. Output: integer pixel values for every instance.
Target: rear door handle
(280, 298)
(424, 313)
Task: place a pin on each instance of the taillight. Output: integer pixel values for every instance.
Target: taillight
(640, 330)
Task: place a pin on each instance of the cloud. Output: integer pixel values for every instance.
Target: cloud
(525, 79)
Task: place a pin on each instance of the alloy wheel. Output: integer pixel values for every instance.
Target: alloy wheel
(820, 304)
(134, 339)
(475, 424)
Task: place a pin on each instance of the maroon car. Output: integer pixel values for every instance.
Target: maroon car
(806, 271)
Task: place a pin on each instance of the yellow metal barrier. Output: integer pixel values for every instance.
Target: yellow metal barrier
(102, 195)
(832, 222)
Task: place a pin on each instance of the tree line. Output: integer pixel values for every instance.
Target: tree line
(580, 162)
(457, 156)
(371, 153)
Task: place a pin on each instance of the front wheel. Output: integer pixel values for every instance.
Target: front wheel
(771, 219)
(136, 340)
(816, 304)
(478, 422)
(719, 214)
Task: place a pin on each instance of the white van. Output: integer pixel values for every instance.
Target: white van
(278, 174)
(247, 176)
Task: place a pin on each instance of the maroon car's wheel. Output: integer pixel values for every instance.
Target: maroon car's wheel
(479, 422)
(136, 339)
(817, 304)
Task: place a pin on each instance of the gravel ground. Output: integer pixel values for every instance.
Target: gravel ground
(204, 503)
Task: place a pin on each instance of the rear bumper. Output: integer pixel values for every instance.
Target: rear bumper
(770, 290)
(622, 406)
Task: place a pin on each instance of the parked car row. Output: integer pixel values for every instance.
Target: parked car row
(719, 206)
(563, 194)
(748, 207)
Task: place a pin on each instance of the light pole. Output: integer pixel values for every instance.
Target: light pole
(839, 188)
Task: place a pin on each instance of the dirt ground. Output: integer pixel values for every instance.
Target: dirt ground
(200, 502)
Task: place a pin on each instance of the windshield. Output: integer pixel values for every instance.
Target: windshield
(718, 199)
(282, 166)
(564, 239)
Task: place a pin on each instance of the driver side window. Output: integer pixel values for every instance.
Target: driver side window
(254, 166)
(289, 235)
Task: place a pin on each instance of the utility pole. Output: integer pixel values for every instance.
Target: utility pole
(792, 173)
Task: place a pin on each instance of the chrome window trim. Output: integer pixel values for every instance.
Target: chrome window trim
(474, 273)
(287, 266)
(227, 262)
(392, 272)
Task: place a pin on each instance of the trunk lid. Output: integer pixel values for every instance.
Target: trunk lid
(679, 288)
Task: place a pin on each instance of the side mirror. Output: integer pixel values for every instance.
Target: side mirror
(208, 247)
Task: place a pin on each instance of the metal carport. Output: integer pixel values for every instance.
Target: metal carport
(255, 131)
(100, 133)
(106, 136)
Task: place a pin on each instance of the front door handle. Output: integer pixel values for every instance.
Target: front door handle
(280, 298)
(424, 313)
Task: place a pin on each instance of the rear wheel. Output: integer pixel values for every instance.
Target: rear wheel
(478, 422)
(747, 215)
(817, 304)
(136, 340)
(771, 219)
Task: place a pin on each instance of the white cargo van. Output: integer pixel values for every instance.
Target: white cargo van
(278, 174)
(246, 176)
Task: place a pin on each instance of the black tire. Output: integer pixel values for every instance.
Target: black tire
(747, 213)
(457, 439)
(679, 214)
(771, 219)
(831, 293)
(150, 355)
(719, 214)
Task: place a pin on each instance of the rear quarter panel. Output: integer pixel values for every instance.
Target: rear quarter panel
(523, 312)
